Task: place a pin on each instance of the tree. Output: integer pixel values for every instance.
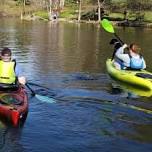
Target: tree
(80, 6)
(61, 3)
(100, 6)
(50, 10)
(23, 9)
(99, 12)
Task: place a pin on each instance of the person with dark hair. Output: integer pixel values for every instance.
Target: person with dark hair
(132, 60)
(10, 72)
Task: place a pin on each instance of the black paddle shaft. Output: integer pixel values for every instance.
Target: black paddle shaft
(33, 93)
(119, 38)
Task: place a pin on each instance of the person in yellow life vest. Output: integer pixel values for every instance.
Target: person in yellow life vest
(10, 72)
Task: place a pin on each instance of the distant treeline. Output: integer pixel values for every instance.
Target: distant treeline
(111, 4)
(66, 8)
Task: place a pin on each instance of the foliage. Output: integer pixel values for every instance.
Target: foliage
(67, 15)
(139, 4)
(19, 2)
(43, 14)
(69, 12)
(117, 15)
(148, 16)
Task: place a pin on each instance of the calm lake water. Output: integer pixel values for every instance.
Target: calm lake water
(89, 115)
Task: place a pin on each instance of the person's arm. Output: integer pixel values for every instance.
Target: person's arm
(122, 56)
(121, 49)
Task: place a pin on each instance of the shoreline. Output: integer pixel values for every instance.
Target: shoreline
(133, 23)
(125, 23)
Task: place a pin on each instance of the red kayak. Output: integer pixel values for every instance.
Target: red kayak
(13, 104)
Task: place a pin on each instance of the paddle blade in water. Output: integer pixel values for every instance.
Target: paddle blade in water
(107, 25)
(45, 99)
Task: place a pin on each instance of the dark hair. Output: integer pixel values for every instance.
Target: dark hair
(6, 51)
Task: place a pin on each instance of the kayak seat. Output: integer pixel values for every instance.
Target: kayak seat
(144, 75)
(8, 87)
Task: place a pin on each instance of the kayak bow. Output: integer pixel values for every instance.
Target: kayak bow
(14, 105)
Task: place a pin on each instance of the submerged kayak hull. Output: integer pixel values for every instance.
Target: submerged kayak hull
(16, 111)
(130, 77)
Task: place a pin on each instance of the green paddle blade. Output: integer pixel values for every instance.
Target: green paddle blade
(107, 25)
(45, 99)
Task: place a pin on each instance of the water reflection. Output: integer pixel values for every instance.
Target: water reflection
(130, 91)
(137, 131)
(9, 138)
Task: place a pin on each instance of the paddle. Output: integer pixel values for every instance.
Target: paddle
(107, 26)
(34, 84)
(40, 97)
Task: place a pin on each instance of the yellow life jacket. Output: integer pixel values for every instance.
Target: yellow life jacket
(7, 72)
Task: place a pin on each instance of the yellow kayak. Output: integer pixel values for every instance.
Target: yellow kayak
(137, 79)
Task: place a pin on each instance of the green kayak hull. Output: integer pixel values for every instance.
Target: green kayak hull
(138, 79)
